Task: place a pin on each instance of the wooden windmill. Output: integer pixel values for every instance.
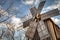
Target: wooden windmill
(40, 30)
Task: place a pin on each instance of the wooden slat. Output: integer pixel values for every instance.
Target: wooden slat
(41, 5)
(42, 30)
(33, 11)
(49, 14)
(27, 23)
(31, 30)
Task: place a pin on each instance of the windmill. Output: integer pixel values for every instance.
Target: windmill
(39, 30)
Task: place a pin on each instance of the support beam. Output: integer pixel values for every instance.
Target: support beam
(33, 11)
(27, 23)
(42, 30)
(49, 14)
(41, 5)
(31, 30)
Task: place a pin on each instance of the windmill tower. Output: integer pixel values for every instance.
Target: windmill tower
(43, 29)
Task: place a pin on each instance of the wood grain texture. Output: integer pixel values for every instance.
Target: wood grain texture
(50, 25)
(49, 14)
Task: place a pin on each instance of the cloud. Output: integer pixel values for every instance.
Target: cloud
(16, 22)
(37, 1)
(57, 21)
(57, 1)
(3, 25)
(31, 2)
(3, 12)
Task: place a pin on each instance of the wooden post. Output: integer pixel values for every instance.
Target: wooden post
(51, 29)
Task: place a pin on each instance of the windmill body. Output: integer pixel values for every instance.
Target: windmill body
(41, 30)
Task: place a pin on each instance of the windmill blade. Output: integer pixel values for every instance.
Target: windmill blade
(42, 30)
(33, 11)
(41, 5)
(31, 30)
(27, 23)
(49, 14)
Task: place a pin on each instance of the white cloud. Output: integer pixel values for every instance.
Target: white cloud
(16, 21)
(57, 21)
(3, 25)
(37, 1)
(29, 2)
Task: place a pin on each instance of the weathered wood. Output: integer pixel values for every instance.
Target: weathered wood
(41, 5)
(49, 14)
(43, 16)
(33, 11)
(27, 23)
(36, 36)
(42, 30)
(31, 30)
(57, 31)
(40, 25)
(51, 29)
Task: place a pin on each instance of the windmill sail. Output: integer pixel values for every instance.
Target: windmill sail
(41, 5)
(31, 30)
(33, 11)
(50, 14)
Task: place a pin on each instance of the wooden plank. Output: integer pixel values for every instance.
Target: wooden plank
(36, 36)
(27, 23)
(51, 29)
(49, 14)
(33, 11)
(41, 5)
(31, 30)
(42, 30)
(41, 26)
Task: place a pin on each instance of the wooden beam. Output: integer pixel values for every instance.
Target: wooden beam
(31, 30)
(33, 11)
(41, 5)
(42, 30)
(27, 23)
(49, 14)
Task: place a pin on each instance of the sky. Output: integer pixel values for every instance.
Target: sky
(21, 8)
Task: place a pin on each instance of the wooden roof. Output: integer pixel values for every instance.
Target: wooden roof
(56, 29)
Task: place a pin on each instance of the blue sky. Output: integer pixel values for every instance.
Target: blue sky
(20, 8)
(23, 7)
